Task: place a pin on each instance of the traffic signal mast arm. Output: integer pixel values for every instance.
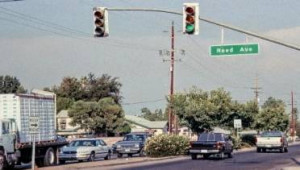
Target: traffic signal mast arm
(279, 42)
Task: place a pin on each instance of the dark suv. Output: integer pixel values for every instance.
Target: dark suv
(212, 144)
(132, 143)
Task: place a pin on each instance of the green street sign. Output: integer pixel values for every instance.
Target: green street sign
(234, 49)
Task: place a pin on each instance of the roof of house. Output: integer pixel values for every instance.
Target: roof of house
(146, 123)
(220, 130)
(63, 114)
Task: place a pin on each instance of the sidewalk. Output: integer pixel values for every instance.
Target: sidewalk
(112, 162)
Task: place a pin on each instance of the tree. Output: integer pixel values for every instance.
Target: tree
(70, 87)
(10, 84)
(104, 116)
(272, 116)
(98, 88)
(64, 103)
(157, 115)
(201, 110)
(196, 109)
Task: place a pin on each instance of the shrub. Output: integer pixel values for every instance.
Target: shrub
(250, 139)
(236, 142)
(166, 145)
(245, 145)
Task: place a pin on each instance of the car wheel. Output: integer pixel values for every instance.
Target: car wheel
(194, 156)
(281, 150)
(142, 153)
(264, 150)
(2, 160)
(229, 155)
(258, 150)
(120, 155)
(286, 149)
(108, 156)
(129, 155)
(205, 156)
(222, 155)
(92, 157)
(62, 161)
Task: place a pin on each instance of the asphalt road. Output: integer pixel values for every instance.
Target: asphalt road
(241, 161)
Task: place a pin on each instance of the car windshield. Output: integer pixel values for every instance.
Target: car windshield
(271, 134)
(82, 143)
(134, 138)
(210, 137)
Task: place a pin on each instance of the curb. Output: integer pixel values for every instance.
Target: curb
(146, 159)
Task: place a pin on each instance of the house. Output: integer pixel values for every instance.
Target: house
(65, 129)
(139, 124)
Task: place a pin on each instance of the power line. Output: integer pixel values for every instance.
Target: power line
(142, 102)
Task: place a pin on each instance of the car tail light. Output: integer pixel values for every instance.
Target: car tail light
(191, 143)
(219, 145)
(281, 140)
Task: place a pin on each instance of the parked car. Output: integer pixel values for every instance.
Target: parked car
(271, 140)
(211, 144)
(132, 143)
(85, 149)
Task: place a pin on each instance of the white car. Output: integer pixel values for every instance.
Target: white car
(272, 140)
(85, 149)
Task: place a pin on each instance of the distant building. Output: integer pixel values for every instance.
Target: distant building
(65, 129)
(185, 131)
(139, 124)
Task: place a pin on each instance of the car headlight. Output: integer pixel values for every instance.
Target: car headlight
(118, 146)
(137, 145)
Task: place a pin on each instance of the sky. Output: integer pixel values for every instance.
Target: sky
(42, 41)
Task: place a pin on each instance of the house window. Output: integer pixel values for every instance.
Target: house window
(63, 124)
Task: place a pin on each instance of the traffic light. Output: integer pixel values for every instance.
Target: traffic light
(191, 18)
(100, 22)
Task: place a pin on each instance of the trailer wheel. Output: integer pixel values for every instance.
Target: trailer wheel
(2, 160)
(49, 158)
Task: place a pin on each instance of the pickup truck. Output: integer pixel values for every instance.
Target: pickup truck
(211, 144)
(271, 140)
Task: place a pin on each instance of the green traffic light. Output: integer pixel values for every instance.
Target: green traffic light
(190, 28)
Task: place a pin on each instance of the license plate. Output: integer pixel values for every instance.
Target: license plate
(203, 151)
(127, 150)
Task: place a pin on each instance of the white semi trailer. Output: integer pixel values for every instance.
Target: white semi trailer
(17, 132)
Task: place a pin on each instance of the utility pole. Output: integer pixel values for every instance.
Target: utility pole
(172, 119)
(256, 90)
(293, 119)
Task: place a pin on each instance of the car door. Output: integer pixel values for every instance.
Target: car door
(105, 148)
(228, 144)
(99, 149)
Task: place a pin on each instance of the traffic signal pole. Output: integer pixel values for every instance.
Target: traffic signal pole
(272, 40)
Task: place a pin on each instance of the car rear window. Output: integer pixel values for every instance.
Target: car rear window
(77, 143)
(271, 134)
(134, 138)
(210, 137)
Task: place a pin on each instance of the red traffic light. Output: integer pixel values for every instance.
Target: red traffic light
(98, 14)
(190, 10)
